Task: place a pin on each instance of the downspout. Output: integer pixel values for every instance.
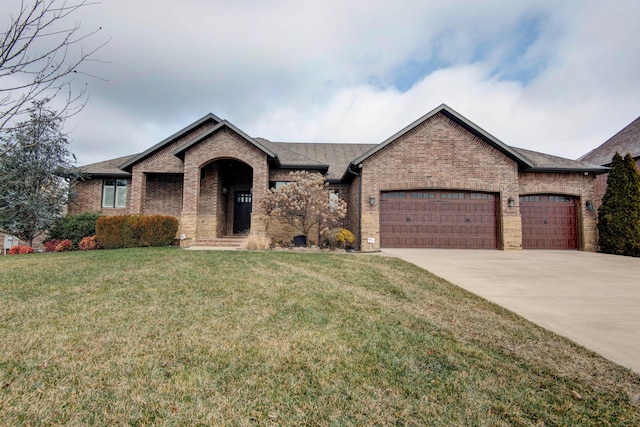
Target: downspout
(359, 233)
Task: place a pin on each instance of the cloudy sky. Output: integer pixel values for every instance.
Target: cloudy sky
(558, 77)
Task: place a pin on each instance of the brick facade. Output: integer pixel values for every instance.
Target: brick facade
(439, 154)
(572, 184)
(196, 174)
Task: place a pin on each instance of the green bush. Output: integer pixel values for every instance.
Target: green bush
(74, 227)
(619, 214)
(130, 231)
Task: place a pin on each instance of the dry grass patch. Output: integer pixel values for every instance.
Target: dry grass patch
(171, 337)
(257, 242)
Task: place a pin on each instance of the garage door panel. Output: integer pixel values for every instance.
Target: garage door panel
(438, 219)
(548, 222)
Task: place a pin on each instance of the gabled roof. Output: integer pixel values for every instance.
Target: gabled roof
(462, 121)
(170, 140)
(548, 163)
(108, 168)
(222, 125)
(623, 142)
(336, 159)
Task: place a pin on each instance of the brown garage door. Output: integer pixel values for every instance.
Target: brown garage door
(438, 219)
(548, 222)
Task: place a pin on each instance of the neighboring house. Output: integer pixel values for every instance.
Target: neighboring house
(441, 182)
(627, 141)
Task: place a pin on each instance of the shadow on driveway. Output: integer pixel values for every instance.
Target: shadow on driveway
(592, 299)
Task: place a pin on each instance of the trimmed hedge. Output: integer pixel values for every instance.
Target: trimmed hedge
(131, 231)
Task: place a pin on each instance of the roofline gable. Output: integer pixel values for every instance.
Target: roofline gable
(608, 148)
(461, 120)
(224, 124)
(150, 151)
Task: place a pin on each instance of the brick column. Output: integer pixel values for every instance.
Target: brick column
(190, 193)
(260, 184)
(138, 190)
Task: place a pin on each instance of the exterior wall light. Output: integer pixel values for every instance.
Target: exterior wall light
(589, 205)
(372, 200)
(510, 202)
(224, 190)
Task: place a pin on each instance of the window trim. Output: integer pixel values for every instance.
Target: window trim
(116, 186)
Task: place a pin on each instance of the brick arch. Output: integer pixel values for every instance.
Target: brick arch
(224, 144)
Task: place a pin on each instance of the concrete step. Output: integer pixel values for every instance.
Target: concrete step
(228, 241)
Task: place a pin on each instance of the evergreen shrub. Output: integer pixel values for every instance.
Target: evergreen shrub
(619, 214)
(74, 227)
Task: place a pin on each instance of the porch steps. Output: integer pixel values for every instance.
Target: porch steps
(227, 241)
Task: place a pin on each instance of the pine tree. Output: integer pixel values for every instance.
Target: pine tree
(34, 174)
(619, 215)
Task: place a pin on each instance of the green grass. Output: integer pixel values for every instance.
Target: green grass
(172, 337)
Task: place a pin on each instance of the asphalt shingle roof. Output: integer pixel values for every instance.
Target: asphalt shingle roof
(623, 142)
(108, 167)
(336, 156)
(546, 162)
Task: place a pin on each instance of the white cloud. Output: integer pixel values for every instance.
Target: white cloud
(558, 77)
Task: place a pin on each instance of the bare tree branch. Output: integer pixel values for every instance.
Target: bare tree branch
(40, 56)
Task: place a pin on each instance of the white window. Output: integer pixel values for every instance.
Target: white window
(114, 193)
(334, 196)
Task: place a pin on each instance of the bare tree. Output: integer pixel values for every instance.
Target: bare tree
(40, 54)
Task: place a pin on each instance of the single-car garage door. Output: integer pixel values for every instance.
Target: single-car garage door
(548, 222)
(438, 219)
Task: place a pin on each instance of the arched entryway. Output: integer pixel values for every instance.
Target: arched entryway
(225, 199)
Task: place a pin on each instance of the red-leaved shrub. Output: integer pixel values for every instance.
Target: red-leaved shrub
(64, 246)
(20, 250)
(88, 244)
(50, 246)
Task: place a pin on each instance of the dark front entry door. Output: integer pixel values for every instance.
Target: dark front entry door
(242, 213)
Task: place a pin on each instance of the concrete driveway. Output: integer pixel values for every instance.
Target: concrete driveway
(592, 299)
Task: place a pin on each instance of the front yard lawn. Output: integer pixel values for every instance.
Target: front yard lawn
(171, 337)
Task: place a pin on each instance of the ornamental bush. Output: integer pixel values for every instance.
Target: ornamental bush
(50, 245)
(74, 227)
(338, 238)
(20, 250)
(64, 246)
(88, 244)
(130, 231)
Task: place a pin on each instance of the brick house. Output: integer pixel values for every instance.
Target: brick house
(623, 142)
(440, 182)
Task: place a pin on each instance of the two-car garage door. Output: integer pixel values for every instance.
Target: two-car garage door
(468, 220)
(438, 219)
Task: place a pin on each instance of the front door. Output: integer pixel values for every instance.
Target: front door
(242, 213)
